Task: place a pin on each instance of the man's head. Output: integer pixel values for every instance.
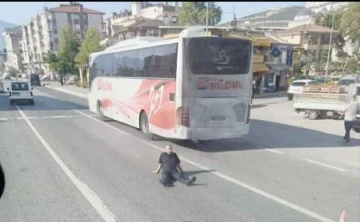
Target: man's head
(168, 149)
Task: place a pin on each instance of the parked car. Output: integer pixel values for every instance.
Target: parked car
(297, 86)
(20, 91)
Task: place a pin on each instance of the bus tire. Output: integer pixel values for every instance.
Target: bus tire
(144, 126)
(99, 109)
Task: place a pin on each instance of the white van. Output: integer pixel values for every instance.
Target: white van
(20, 91)
(297, 86)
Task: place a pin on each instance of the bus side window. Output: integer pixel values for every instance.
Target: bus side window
(164, 61)
(130, 63)
(119, 63)
(145, 61)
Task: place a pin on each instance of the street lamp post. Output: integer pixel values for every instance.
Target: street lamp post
(328, 56)
(207, 17)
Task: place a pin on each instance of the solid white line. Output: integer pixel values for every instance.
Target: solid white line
(222, 176)
(274, 151)
(81, 95)
(46, 117)
(326, 165)
(89, 194)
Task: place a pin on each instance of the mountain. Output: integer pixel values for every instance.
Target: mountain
(4, 25)
(280, 14)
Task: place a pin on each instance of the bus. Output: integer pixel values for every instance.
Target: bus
(195, 87)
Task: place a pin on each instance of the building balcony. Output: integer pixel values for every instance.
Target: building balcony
(258, 58)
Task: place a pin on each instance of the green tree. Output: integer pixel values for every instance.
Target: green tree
(13, 72)
(90, 44)
(194, 13)
(52, 59)
(69, 48)
(325, 19)
(350, 26)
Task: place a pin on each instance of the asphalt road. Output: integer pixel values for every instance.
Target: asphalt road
(62, 163)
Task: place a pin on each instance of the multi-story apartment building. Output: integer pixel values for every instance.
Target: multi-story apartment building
(143, 20)
(12, 38)
(314, 39)
(43, 32)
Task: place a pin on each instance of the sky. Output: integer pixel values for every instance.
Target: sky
(20, 12)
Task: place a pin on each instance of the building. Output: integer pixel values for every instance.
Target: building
(314, 39)
(43, 32)
(280, 61)
(12, 39)
(2, 63)
(143, 20)
(303, 17)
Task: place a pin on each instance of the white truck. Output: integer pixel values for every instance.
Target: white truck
(324, 101)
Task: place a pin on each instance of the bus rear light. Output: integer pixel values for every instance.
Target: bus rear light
(183, 116)
(248, 115)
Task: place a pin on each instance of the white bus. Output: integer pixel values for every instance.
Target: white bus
(194, 87)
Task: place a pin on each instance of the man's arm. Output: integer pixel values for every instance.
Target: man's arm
(158, 169)
(160, 165)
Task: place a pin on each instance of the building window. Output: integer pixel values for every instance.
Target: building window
(325, 39)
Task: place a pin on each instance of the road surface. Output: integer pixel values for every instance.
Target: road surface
(62, 163)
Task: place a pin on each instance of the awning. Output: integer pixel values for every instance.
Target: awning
(278, 66)
(260, 67)
(261, 41)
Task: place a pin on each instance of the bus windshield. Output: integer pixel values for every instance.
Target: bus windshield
(218, 56)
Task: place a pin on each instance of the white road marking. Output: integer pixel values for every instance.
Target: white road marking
(326, 165)
(89, 194)
(221, 175)
(274, 151)
(45, 117)
(56, 117)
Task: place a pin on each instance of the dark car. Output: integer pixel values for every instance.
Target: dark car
(35, 80)
(356, 126)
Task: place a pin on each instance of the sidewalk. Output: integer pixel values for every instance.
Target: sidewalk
(69, 89)
(271, 95)
(82, 92)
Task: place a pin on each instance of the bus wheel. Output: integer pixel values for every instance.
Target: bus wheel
(100, 110)
(144, 126)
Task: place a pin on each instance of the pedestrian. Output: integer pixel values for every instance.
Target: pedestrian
(253, 91)
(169, 163)
(350, 117)
(62, 80)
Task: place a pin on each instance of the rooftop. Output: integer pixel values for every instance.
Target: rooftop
(306, 28)
(73, 9)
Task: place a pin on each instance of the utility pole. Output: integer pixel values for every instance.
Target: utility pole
(328, 56)
(207, 18)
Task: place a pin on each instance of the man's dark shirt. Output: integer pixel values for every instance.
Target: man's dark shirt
(169, 161)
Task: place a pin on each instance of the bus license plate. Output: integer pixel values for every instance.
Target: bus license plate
(218, 118)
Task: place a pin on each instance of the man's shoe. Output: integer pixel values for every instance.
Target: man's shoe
(191, 181)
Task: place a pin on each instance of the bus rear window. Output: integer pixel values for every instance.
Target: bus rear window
(218, 56)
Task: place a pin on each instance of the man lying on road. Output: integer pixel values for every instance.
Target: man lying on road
(169, 162)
